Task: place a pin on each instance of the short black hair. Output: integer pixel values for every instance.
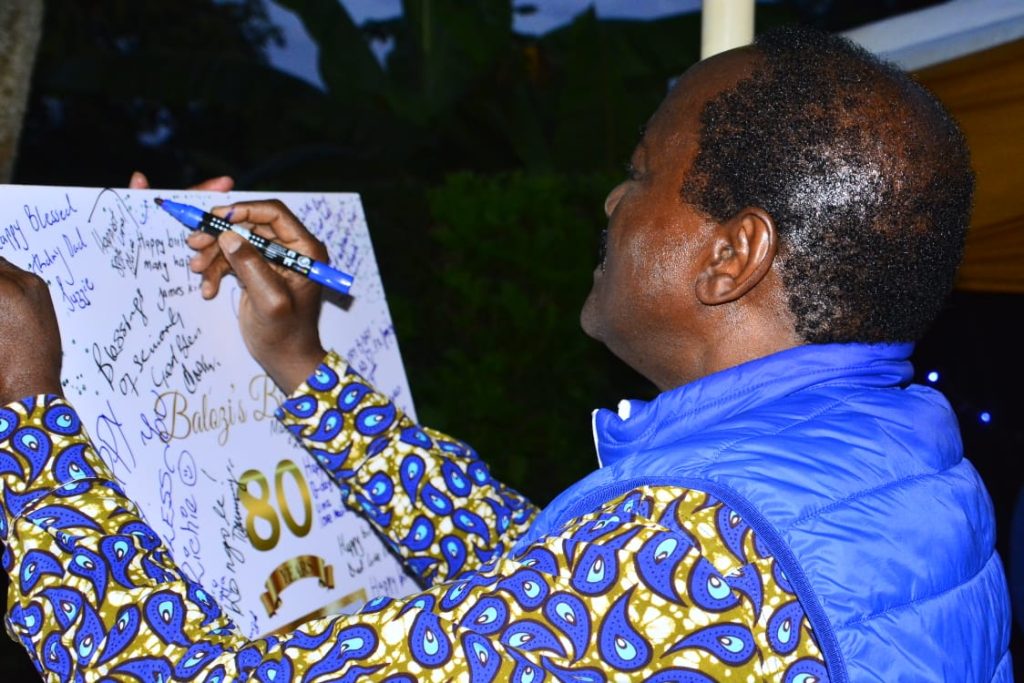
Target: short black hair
(866, 175)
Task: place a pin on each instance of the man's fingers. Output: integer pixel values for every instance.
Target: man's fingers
(285, 226)
(209, 261)
(267, 290)
(224, 183)
(212, 276)
(203, 258)
(210, 285)
(200, 240)
(267, 211)
(138, 181)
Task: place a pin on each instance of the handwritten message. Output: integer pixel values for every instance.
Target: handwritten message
(185, 418)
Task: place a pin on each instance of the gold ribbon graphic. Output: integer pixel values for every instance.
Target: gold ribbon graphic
(357, 598)
(299, 567)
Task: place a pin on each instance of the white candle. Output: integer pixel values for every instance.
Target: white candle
(725, 24)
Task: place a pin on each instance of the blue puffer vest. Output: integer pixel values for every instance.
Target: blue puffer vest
(856, 481)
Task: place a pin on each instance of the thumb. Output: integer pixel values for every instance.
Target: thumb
(267, 290)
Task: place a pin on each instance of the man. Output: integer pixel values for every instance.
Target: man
(790, 508)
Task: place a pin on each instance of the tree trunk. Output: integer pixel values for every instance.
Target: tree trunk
(21, 25)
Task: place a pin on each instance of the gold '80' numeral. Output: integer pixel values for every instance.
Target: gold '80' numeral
(259, 507)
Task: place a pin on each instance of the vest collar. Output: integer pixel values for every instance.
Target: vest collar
(688, 409)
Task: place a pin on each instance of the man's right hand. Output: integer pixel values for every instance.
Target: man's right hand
(280, 317)
(279, 310)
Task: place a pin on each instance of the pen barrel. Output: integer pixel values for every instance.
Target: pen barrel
(316, 271)
(276, 253)
(272, 251)
(214, 225)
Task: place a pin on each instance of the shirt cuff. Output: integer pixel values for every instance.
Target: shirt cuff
(324, 414)
(302, 409)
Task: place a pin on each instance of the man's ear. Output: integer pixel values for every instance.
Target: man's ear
(741, 254)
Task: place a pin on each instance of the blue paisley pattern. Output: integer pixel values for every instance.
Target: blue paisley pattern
(662, 584)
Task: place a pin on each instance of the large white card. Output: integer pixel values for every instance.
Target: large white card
(184, 416)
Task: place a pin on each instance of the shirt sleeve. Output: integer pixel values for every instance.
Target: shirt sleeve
(649, 584)
(429, 495)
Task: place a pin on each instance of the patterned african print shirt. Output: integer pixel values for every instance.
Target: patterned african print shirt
(661, 584)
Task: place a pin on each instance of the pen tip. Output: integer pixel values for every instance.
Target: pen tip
(158, 201)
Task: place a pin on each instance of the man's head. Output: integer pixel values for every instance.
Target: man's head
(822, 196)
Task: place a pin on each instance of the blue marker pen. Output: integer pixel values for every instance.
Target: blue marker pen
(197, 219)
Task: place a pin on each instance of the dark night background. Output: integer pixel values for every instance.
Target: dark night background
(483, 158)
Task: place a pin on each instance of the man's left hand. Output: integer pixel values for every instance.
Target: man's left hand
(30, 351)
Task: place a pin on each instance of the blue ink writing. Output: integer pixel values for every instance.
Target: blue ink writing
(40, 220)
(12, 235)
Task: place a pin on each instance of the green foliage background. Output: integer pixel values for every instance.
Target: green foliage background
(483, 158)
(512, 370)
